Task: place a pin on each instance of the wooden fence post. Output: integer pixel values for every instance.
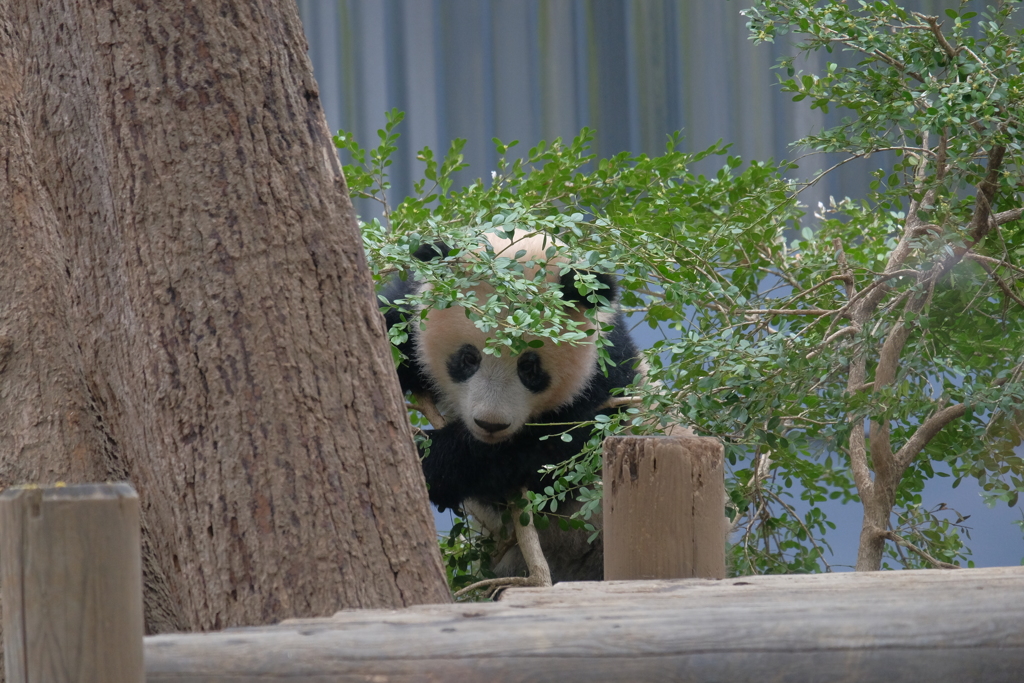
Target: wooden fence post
(664, 508)
(71, 573)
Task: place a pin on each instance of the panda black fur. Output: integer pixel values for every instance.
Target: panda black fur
(486, 452)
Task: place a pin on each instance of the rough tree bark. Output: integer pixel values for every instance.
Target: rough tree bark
(184, 304)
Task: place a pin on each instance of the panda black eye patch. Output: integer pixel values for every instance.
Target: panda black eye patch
(464, 363)
(531, 374)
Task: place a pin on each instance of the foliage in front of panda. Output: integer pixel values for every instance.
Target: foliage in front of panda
(851, 354)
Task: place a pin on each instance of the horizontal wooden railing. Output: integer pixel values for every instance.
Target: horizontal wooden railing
(72, 604)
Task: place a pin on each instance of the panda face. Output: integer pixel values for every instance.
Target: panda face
(495, 396)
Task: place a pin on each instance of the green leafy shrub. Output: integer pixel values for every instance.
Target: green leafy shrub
(839, 355)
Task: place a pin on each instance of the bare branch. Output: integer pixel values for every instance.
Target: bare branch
(804, 292)
(981, 223)
(621, 402)
(885, 373)
(1007, 216)
(427, 408)
(1002, 285)
(994, 262)
(859, 459)
(936, 29)
(858, 449)
(810, 536)
(494, 584)
(894, 63)
(872, 295)
(788, 311)
(940, 169)
(927, 431)
(860, 155)
(896, 538)
(533, 555)
(529, 544)
(919, 176)
(845, 272)
(838, 334)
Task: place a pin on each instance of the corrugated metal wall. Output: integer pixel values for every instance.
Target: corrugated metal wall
(529, 70)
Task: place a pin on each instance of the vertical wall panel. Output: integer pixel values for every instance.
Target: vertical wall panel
(635, 70)
(517, 83)
(558, 105)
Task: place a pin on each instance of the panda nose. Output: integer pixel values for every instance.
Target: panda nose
(491, 427)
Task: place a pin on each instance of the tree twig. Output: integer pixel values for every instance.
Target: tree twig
(529, 544)
(927, 431)
(896, 538)
(936, 29)
(842, 332)
(495, 584)
(621, 402)
(788, 311)
(1007, 216)
(1002, 285)
(981, 223)
(426, 407)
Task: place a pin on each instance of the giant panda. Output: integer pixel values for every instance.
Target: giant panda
(497, 408)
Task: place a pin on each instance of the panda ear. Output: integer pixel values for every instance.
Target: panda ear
(571, 293)
(429, 252)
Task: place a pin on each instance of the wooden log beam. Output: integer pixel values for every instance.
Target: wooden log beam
(71, 572)
(886, 626)
(664, 508)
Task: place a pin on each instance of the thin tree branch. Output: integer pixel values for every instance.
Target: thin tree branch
(810, 535)
(858, 449)
(496, 583)
(940, 169)
(869, 297)
(885, 374)
(1002, 285)
(919, 176)
(533, 555)
(927, 431)
(788, 311)
(845, 272)
(426, 407)
(981, 224)
(804, 292)
(936, 29)
(900, 66)
(842, 332)
(1007, 216)
(896, 538)
(621, 402)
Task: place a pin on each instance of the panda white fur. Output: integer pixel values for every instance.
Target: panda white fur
(487, 451)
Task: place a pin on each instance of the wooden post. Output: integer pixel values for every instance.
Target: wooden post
(71, 573)
(664, 508)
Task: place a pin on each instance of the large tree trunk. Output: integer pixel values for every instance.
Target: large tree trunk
(184, 303)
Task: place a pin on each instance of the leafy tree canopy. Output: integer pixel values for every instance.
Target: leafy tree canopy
(839, 354)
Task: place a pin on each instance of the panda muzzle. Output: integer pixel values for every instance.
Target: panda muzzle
(491, 427)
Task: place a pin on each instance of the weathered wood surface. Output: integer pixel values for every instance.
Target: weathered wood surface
(72, 584)
(965, 625)
(664, 508)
